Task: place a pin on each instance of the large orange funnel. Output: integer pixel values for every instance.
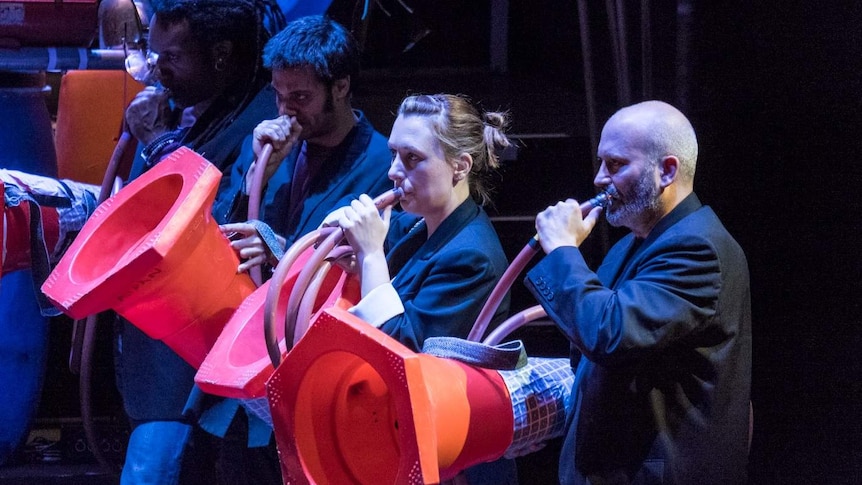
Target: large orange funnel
(239, 365)
(351, 405)
(154, 254)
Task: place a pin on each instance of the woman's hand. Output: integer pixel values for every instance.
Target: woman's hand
(249, 246)
(365, 228)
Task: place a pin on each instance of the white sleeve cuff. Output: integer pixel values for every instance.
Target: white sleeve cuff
(379, 305)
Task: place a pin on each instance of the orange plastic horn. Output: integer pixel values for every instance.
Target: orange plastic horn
(238, 365)
(351, 405)
(154, 254)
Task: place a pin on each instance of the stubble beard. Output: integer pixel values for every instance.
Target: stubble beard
(641, 205)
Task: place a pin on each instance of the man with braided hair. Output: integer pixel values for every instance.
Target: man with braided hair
(211, 92)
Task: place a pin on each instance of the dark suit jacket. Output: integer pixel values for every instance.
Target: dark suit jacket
(662, 390)
(443, 281)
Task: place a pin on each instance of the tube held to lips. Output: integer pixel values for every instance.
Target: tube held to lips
(602, 199)
(388, 198)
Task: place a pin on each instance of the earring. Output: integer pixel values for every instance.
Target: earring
(220, 64)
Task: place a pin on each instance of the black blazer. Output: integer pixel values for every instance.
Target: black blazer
(662, 391)
(443, 281)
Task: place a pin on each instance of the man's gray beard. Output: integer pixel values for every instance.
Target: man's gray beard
(640, 208)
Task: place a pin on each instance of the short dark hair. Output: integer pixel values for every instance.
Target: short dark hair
(318, 42)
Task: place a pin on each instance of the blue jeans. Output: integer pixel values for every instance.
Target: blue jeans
(155, 453)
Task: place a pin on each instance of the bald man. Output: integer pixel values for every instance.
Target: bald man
(661, 332)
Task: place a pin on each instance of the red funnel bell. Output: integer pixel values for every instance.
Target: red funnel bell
(351, 405)
(154, 254)
(239, 365)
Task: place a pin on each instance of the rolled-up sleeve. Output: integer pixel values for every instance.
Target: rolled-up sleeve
(379, 305)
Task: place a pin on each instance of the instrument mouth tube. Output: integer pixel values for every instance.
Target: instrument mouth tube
(326, 242)
(388, 198)
(602, 199)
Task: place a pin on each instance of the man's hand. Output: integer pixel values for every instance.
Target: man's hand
(563, 225)
(248, 245)
(149, 114)
(282, 133)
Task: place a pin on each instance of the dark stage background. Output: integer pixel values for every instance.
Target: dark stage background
(773, 90)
